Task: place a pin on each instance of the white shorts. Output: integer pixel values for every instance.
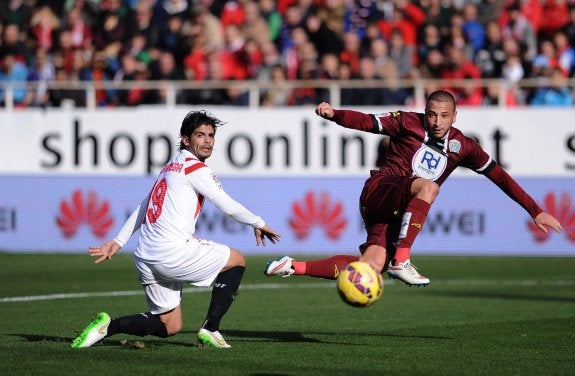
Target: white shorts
(199, 264)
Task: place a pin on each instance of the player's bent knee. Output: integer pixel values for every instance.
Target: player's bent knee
(236, 259)
(174, 328)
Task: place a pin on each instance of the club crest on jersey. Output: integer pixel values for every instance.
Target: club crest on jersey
(217, 181)
(428, 163)
(454, 146)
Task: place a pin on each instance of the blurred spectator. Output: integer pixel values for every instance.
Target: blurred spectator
(402, 54)
(66, 96)
(545, 59)
(44, 24)
(205, 23)
(329, 67)
(494, 92)
(272, 17)
(172, 38)
(565, 53)
(164, 9)
(351, 52)
(347, 95)
(370, 96)
(332, 13)
(459, 67)
(144, 23)
(16, 12)
(569, 28)
(234, 56)
(556, 93)
(14, 71)
(232, 14)
(279, 94)
(407, 18)
(358, 14)
(556, 16)
(165, 69)
(437, 13)
(429, 39)
(514, 24)
(491, 57)
(13, 43)
(433, 66)
(41, 73)
(325, 40)
(80, 31)
(133, 70)
(472, 28)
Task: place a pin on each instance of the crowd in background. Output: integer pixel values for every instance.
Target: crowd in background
(273, 41)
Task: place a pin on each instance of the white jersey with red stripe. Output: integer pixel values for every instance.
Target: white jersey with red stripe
(173, 207)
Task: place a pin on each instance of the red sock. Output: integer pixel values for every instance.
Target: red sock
(411, 224)
(327, 268)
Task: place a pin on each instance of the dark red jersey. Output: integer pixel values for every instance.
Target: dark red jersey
(412, 152)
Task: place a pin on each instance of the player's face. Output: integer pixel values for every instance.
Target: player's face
(201, 141)
(440, 116)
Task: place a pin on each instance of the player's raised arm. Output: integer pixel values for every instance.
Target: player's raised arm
(544, 220)
(324, 110)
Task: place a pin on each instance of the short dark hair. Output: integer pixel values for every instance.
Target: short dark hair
(195, 119)
(442, 96)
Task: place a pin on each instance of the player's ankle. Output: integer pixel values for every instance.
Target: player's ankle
(401, 255)
(299, 267)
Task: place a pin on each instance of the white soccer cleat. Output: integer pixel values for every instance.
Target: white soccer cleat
(213, 339)
(406, 272)
(281, 267)
(94, 332)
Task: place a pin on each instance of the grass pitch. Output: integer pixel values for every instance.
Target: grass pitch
(479, 316)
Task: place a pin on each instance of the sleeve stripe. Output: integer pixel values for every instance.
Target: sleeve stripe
(193, 168)
(376, 123)
(486, 167)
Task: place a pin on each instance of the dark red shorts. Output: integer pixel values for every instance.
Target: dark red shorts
(382, 203)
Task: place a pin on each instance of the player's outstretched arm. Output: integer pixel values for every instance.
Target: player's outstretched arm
(105, 251)
(264, 233)
(324, 110)
(544, 220)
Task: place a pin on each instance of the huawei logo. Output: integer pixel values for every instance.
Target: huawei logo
(84, 209)
(317, 210)
(562, 209)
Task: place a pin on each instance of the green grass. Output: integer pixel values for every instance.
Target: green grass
(480, 316)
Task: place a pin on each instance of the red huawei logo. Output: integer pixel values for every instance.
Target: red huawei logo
(320, 211)
(84, 209)
(562, 209)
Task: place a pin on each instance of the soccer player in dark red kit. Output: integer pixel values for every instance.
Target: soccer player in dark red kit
(424, 150)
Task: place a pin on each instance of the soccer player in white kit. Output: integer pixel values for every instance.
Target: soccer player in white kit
(168, 255)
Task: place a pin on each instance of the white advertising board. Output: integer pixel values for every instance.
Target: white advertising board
(263, 142)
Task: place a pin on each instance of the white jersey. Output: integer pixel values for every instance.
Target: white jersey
(168, 218)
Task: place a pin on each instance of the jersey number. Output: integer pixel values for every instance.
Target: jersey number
(156, 201)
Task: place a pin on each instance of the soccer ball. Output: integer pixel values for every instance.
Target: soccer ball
(359, 285)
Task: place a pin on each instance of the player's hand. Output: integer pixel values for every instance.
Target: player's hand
(266, 233)
(105, 251)
(544, 220)
(324, 110)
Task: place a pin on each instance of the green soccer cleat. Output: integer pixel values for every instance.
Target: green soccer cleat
(94, 332)
(213, 339)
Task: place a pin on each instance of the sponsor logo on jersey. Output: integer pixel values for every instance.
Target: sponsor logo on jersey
(217, 181)
(454, 146)
(428, 163)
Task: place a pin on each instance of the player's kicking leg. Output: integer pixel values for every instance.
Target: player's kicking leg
(327, 268)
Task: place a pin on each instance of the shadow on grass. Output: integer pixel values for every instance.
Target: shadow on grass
(244, 335)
